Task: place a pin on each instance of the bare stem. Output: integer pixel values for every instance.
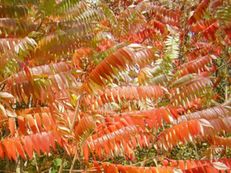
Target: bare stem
(71, 128)
(73, 161)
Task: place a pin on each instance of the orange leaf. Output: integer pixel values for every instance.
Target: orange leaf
(31, 123)
(21, 124)
(1, 151)
(19, 148)
(28, 146)
(10, 148)
(12, 126)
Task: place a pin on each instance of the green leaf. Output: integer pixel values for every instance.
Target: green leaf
(57, 162)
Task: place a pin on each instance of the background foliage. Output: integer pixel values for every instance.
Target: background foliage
(115, 86)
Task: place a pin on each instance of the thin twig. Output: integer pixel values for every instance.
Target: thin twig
(73, 161)
(71, 128)
(76, 113)
(226, 93)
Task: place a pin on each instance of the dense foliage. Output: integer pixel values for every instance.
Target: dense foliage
(115, 86)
